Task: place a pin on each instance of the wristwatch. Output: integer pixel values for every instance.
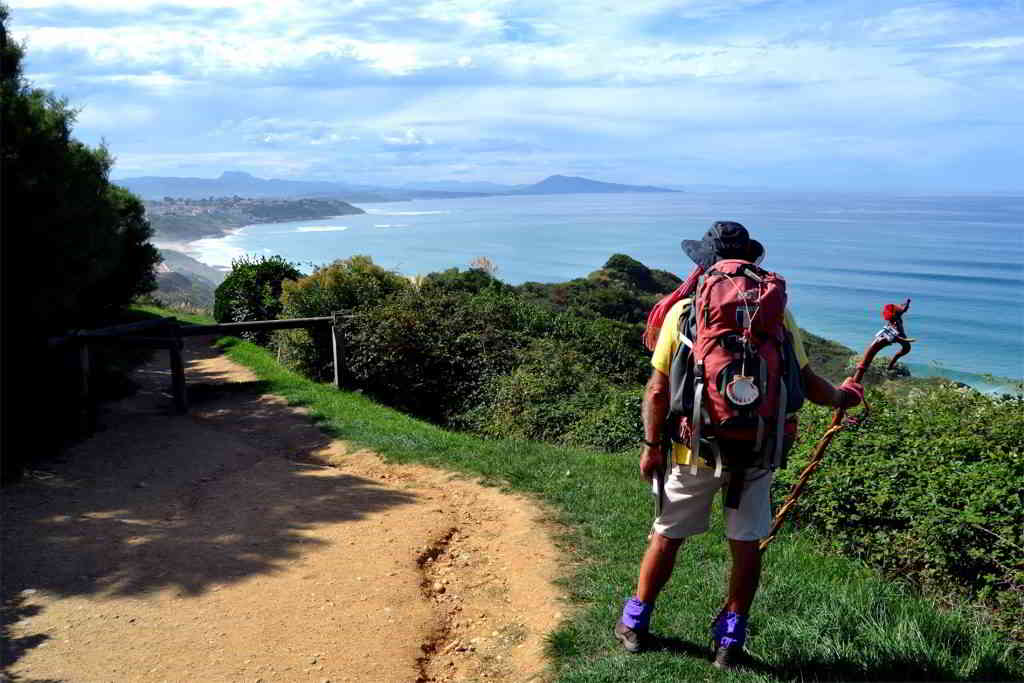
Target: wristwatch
(651, 444)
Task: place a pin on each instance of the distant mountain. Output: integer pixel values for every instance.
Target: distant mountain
(238, 183)
(562, 184)
(232, 183)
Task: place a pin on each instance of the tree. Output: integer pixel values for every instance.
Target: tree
(252, 291)
(76, 247)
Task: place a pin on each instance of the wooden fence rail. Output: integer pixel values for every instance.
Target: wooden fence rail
(172, 334)
(261, 325)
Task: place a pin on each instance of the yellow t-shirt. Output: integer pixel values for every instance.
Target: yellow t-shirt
(668, 342)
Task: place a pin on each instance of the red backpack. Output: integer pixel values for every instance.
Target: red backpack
(734, 377)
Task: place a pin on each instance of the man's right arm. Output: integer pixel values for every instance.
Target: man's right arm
(655, 410)
(819, 390)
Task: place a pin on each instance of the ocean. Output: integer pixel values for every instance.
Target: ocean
(959, 258)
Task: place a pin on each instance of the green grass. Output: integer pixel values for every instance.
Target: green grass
(183, 316)
(817, 617)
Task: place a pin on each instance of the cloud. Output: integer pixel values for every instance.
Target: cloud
(428, 88)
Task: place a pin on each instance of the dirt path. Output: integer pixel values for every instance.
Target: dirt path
(238, 543)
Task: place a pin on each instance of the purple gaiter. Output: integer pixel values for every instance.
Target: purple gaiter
(636, 614)
(734, 632)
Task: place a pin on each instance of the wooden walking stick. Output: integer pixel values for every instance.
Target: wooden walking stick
(839, 422)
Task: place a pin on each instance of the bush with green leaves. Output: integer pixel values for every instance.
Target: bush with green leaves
(930, 489)
(623, 289)
(431, 355)
(470, 281)
(614, 425)
(551, 388)
(432, 349)
(557, 393)
(252, 291)
(346, 286)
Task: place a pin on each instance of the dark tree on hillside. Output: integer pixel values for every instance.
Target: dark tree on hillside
(252, 291)
(75, 246)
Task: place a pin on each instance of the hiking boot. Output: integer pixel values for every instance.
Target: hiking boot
(728, 657)
(633, 640)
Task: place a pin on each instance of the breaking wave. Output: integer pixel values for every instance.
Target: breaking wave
(382, 212)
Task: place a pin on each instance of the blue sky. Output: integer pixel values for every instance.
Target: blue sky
(925, 96)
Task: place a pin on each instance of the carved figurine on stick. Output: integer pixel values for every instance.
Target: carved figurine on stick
(893, 332)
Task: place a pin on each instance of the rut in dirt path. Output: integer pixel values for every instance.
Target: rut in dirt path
(239, 542)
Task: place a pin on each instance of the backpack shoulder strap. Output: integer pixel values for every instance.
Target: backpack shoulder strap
(686, 329)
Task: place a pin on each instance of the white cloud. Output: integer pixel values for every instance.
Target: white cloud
(111, 116)
(312, 86)
(992, 43)
(409, 137)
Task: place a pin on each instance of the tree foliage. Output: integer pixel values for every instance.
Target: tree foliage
(346, 285)
(81, 240)
(76, 246)
(252, 291)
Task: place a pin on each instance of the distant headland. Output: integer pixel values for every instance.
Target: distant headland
(237, 183)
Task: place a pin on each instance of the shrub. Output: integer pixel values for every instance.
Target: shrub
(930, 489)
(346, 285)
(542, 398)
(472, 281)
(434, 350)
(614, 425)
(556, 393)
(431, 355)
(252, 291)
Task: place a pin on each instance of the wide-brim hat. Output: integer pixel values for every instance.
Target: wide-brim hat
(725, 239)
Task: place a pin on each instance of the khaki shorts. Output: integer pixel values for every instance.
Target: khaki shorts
(687, 507)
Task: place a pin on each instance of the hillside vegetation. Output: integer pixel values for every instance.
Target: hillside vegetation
(818, 617)
(929, 490)
(184, 220)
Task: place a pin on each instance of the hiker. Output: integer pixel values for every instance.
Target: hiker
(893, 331)
(690, 487)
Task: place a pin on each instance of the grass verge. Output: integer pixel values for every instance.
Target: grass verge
(817, 617)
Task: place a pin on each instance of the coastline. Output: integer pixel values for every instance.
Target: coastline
(981, 382)
(186, 246)
(555, 240)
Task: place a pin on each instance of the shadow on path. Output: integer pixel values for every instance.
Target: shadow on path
(156, 501)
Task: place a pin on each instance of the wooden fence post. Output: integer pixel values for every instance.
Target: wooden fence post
(88, 405)
(336, 347)
(178, 373)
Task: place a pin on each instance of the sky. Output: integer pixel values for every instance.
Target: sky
(795, 94)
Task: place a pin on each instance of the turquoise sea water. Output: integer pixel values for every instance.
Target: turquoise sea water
(961, 259)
